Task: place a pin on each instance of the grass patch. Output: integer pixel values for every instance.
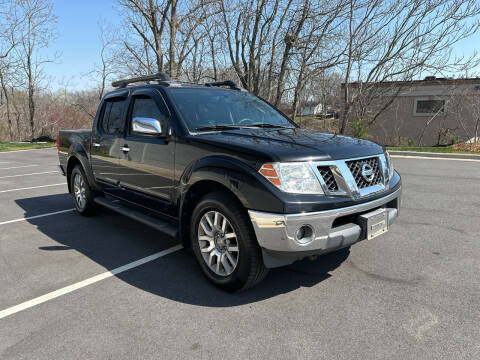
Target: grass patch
(431, 149)
(9, 146)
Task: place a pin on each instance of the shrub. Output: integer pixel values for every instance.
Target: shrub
(402, 141)
(359, 129)
(447, 136)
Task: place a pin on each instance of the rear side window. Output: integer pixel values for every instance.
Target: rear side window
(113, 121)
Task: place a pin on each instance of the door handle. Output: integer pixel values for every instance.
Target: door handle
(125, 149)
(96, 144)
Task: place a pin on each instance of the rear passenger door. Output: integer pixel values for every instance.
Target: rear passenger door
(147, 162)
(106, 141)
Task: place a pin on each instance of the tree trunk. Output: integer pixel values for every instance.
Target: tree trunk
(17, 113)
(476, 130)
(173, 34)
(298, 90)
(156, 36)
(283, 68)
(212, 51)
(290, 41)
(346, 110)
(7, 103)
(31, 102)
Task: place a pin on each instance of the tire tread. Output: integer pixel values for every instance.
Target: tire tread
(257, 271)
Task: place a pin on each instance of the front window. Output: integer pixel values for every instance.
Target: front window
(205, 109)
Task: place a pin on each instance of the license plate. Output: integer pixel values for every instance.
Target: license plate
(374, 223)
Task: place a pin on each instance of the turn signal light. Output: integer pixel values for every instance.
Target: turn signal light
(269, 172)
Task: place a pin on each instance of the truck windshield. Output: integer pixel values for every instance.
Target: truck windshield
(222, 109)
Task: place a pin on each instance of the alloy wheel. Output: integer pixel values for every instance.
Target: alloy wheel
(79, 191)
(218, 243)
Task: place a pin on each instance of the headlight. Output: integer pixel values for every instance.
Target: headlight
(389, 164)
(297, 177)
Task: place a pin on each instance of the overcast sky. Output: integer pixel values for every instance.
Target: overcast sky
(78, 41)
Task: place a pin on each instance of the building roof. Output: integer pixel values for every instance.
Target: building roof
(428, 81)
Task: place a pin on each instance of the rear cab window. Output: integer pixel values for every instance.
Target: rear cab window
(113, 121)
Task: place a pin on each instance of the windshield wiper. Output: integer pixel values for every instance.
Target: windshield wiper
(262, 125)
(236, 127)
(219, 127)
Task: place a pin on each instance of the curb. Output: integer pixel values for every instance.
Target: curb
(435, 155)
(13, 151)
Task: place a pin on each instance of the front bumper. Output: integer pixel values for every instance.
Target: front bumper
(332, 229)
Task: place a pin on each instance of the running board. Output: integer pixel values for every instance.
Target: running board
(158, 224)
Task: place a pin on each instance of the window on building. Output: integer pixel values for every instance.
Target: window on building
(428, 107)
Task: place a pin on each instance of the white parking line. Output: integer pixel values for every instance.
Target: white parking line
(432, 158)
(40, 173)
(68, 289)
(18, 167)
(32, 187)
(36, 216)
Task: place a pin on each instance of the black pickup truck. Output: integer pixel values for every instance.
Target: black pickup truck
(229, 175)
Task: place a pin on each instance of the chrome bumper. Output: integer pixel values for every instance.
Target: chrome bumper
(276, 232)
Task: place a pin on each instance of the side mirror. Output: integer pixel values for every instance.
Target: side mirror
(147, 126)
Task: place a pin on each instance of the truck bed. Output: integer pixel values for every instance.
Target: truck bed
(69, 138)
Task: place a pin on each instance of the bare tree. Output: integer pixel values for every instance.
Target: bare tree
(401, 40)
(463, 107)
(274, 44)
(102, 72)
(168, 30)
(36, 33)
(249, 26)
(148, 18)
(291, 39)
(6, 95)
(8, 40)
(317, 47)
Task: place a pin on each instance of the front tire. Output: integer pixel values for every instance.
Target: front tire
(224, 243)
(82, 193)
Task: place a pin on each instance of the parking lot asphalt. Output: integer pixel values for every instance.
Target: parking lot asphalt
(411, 294)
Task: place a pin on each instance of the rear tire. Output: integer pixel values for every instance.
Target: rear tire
(82, 194)
(231, 258)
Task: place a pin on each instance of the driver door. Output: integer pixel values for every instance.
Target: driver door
(147, 160)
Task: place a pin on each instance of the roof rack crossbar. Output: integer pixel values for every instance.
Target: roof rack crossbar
(231, 84)
(158, 76)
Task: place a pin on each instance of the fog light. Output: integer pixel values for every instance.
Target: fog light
(304, 235)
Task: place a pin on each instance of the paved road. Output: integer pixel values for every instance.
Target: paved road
(412, 294)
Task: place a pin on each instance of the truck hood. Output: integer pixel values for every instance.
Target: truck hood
(292, 144)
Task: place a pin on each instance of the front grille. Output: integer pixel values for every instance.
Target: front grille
(355, 167)
(328, 178)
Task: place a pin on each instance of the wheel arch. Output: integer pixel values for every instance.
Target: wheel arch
(191, 198)
(226, 174)
(78, 155)
(72, 162)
